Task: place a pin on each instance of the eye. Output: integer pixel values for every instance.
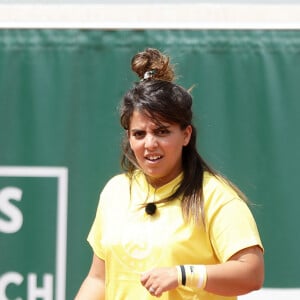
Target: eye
(162, 131)
(138, 134)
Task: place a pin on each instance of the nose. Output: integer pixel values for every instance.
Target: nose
(150, 141)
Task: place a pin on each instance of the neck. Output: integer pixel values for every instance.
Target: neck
(156, 183)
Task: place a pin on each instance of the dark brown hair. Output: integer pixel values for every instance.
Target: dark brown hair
(164, 101)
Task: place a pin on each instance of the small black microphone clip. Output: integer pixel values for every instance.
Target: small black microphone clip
(150, 208)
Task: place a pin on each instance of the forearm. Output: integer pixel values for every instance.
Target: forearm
(92, 288)
(233, 278)
(241, 274)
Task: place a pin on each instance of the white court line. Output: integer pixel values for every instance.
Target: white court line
(273, 294)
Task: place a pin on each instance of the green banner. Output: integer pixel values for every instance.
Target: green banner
(60, 138)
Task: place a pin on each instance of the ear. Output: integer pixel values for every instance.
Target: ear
(187, 135)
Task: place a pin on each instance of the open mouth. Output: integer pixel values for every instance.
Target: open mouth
(153, 158)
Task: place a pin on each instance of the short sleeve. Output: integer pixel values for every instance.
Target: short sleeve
(233, 228)
(95, 235)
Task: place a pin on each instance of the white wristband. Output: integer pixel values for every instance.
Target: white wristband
(194, 276)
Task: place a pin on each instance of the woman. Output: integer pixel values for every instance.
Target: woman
(170, 226)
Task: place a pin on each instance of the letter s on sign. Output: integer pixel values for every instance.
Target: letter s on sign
(14, 219)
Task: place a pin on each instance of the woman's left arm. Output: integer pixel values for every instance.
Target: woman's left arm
(241, 274)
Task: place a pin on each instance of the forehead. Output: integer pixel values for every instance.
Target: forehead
(144, 118)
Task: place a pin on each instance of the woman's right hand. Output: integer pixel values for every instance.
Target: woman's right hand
(159, 280)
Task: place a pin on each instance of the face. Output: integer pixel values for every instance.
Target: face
(157, 148)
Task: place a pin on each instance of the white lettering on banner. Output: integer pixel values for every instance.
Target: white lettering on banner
(12, 219)
(33, 291)
(14, 215)
(9, 278)
(45, 292)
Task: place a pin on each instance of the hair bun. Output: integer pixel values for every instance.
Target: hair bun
(152, 64)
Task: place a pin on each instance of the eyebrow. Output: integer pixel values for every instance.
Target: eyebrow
(135, 130)
(156, 128)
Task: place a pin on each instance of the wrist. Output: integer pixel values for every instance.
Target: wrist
(193, 276)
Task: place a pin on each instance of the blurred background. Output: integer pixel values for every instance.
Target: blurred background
(64, 67)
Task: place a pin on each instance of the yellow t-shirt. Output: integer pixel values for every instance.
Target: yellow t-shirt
(131, 241)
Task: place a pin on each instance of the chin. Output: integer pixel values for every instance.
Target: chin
(152, 175)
